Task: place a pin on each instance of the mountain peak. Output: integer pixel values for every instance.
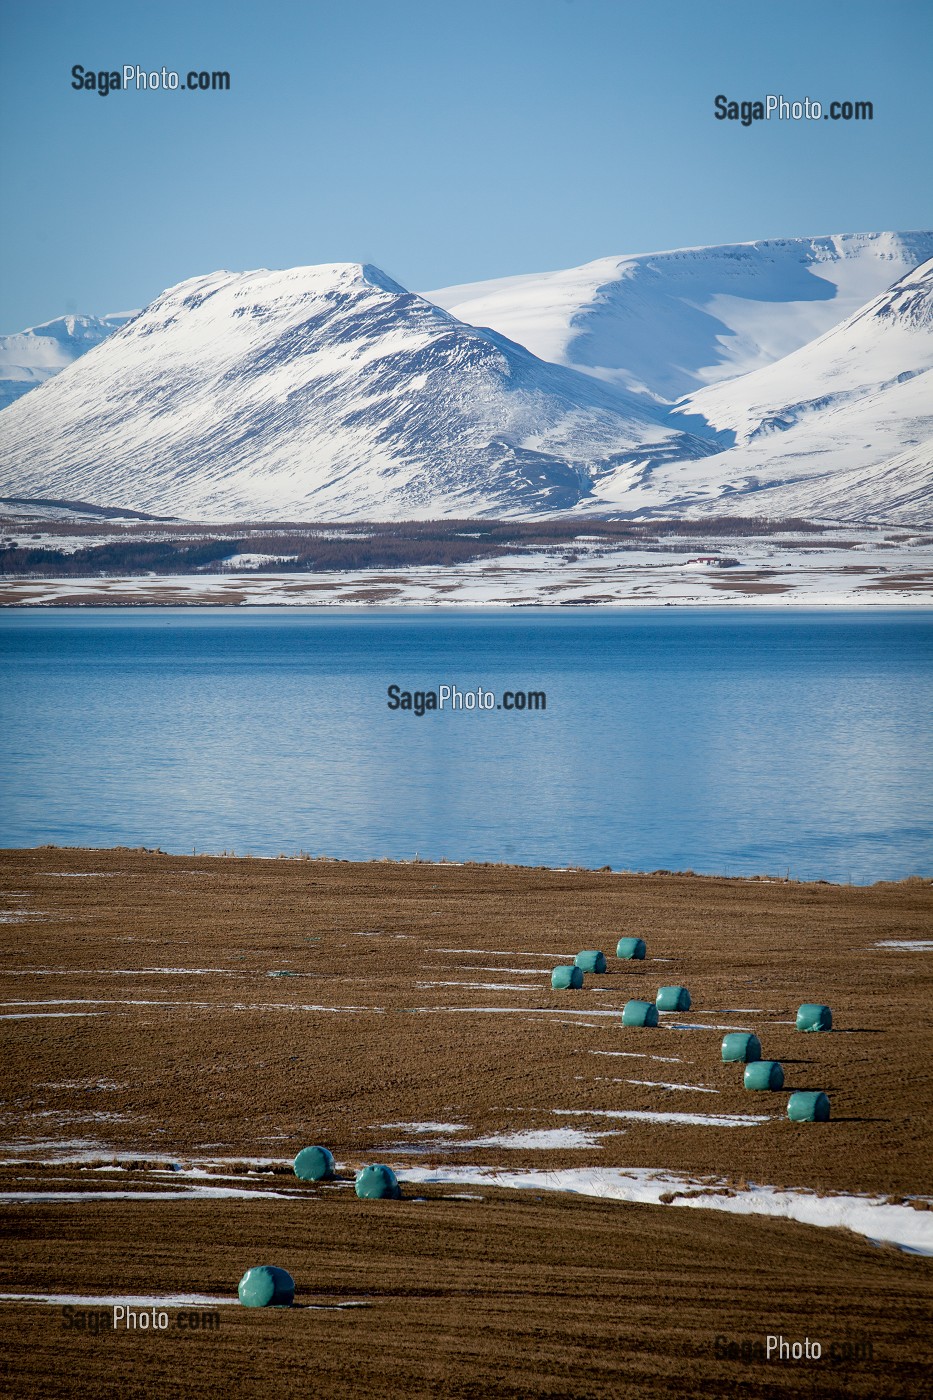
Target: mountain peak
(311, 390)
(909, 301)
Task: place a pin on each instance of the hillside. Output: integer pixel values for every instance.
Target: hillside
(666, 324)
(321, 391)
(843, 426)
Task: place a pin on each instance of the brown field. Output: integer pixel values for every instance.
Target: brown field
(141, 1024)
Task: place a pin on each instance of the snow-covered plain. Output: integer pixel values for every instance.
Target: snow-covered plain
(866, 568)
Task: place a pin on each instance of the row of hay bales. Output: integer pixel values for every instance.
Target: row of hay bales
(803, 1106)
(742, 1047)
(268, 1286)
(375, 1183)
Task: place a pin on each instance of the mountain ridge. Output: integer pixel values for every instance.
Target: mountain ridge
(315, 389)
(666, 324)
(332, 390)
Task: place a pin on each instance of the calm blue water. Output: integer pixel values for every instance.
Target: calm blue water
(733, 741)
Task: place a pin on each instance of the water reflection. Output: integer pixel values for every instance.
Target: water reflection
(723, 741)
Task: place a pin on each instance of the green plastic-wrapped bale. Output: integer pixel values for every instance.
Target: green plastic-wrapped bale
(314, 1164)
(764, 1074)
(563, 977)
(266, 1286)
(807, 1106)
(813, 1016)
(631, 948)
(590, 960)
(640, 1013)
(672, 999)
(740, 1046)
(378, 1183)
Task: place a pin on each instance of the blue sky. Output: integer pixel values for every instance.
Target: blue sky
(444, 141)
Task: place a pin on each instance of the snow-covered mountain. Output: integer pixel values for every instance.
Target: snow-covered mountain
(842, 427)
(329, 392)
(320, 391)
(659, 323)
(666, 324)
(30, 357)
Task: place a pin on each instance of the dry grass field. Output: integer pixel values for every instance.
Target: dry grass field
(158, 1077)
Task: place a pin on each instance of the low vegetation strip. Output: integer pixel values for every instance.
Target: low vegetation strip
(74, 548)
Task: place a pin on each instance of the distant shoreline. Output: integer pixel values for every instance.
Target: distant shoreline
(305, 857)
(234, 592)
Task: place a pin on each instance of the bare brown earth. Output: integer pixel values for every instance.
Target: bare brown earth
(921, 581)
(473, 1290)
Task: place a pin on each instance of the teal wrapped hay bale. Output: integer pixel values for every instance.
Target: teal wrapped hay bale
(631, 948)
(590, 960)
(813, 1016)
(764, 1074)
(673, 999)
(378, 1183)
(640, 1013)
(806, 1106)
(266, 1287)
(741, 1047)
(563, 977)
(314, 1164)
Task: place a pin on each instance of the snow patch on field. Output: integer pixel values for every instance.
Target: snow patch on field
(544, 1139)
(124, 972)
(503, 953)
(655, 1084)
(197, 1005)
(429, 1127)
(149, 1300)
(45, 1015)
(696, 1026)
(189, 1193)
(693, 1120)
(870, 1216)
(516, 1010)
(481, 986)
(512, 971)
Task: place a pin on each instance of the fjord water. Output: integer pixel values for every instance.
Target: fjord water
(735, 741)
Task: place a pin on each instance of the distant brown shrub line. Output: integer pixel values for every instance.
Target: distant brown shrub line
(180, 548)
